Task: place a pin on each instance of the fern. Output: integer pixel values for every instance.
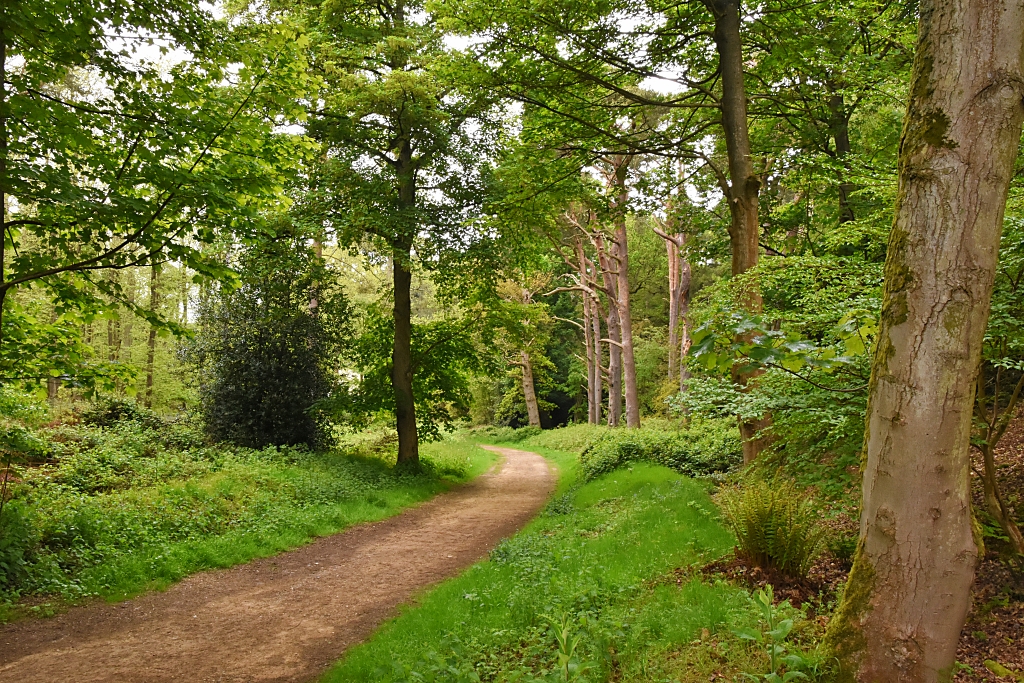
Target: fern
(775, 524)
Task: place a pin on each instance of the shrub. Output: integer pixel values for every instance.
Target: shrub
(110, 411)
(705, 447)
(776, 525)
(17, 538)
(269, 351)
(511, 434)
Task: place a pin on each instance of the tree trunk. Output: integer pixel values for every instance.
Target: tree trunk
(593, 368)
(620, 260)
(744, 186)
(401, 359)
(909, 589)
(683, 302)
(3, 179)
(154, 302)
(840, 125)
(673, 307)
(615, 339)
(529, 392)
(595, 322)
(679, 277)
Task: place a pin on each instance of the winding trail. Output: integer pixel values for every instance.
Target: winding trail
(288, 617)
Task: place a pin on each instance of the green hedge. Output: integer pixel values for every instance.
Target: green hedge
(704, 448)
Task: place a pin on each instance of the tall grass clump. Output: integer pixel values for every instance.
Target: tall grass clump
(775, 523)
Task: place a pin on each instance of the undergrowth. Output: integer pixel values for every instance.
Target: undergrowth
(129, 503)
(705, 446)
(588, 592)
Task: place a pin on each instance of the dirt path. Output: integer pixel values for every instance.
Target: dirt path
(285, 618)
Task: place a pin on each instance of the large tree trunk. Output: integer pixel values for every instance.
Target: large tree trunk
(154, 302)
(744, 186)
(529, 391)
(908, 592)
(620, 261)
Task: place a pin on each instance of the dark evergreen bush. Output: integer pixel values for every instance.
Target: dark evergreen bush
(268, 351)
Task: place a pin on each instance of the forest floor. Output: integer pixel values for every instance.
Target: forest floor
(991, 646)
(284, 618)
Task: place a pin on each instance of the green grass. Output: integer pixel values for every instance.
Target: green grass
(126, 510)
(592, 558)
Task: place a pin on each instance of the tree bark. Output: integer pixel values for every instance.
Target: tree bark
(620, 260)
(614, 337)
(529, 391)
(401, 359)
(154, 302)
(743, 187)
(909, 589)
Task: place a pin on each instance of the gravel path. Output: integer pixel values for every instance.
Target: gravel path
(284, 618)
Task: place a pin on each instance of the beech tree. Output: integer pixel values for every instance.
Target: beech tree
(406, 139)
(909, 589)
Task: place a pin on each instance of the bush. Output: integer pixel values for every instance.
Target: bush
(510, 434)
(17, 538)
(110, 411)
(776, 525)
(268, 352)
(705, 447)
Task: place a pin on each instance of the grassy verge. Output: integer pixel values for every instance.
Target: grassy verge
(592, 590)
(130, 508)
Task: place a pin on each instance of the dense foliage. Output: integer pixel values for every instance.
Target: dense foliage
(269, 350)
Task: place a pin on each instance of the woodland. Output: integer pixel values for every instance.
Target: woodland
(746, 273)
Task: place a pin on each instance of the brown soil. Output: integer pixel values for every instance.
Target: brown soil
(289, 617)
